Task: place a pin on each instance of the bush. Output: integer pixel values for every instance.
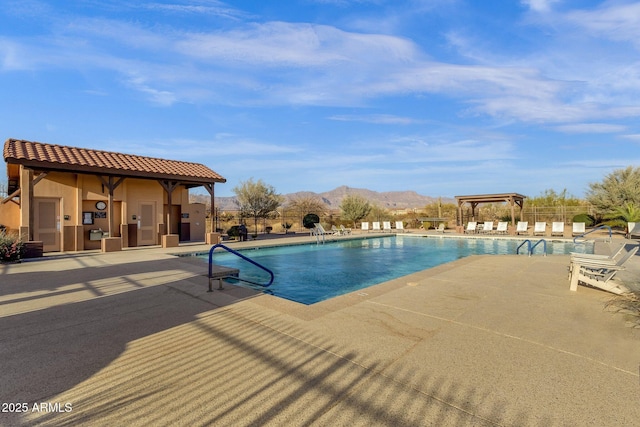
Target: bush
(11, 247)
(310, 220)
(234, 231)
(586, 218)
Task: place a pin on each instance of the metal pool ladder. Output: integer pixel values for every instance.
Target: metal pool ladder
(226, 276)
(575, 239)
(530, 248)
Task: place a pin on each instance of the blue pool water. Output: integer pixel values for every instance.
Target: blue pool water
(313, 273)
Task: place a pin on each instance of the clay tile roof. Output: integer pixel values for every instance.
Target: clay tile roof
(59, 157)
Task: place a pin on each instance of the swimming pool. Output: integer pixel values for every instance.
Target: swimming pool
(312, 273)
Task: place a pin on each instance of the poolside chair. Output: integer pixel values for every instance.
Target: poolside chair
(319, 230)
(345, 231)
(375, 226)
(502, 228)
(364, 226)
(578, 259)
(600, 274)
(386, 226)
(633, 229)
(399, 226)
(557, 229)
(522, 227)
(335, 231)
(540, 228)
(578, 228)
(471, 227)
(440, 228)
(487, 227)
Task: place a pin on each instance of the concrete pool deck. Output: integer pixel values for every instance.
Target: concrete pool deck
(133, 338)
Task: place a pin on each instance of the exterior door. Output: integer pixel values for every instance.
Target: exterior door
(147, 224)
(47, 223)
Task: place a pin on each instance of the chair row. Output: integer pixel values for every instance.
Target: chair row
(386, 226)
(540, 228)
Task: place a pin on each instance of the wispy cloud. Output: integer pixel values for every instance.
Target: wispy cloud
(591, 128)
(539, 5)
(383, 119)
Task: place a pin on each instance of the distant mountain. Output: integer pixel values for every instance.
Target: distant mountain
(333, 198)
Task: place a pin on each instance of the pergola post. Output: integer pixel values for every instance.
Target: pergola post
(111, 186)
(169, 186)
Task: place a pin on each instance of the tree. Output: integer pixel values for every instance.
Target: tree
(307, 204)
(622, 215)
(257, 199)
(620, 187)
(550, 198)
(354, 208)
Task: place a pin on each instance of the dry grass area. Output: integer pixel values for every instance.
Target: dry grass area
(627, 305)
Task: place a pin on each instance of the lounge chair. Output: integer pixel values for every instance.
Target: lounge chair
(502, 228)
(440, 228)
(345, 231)
(578, 228)
(335, 231)
(319, 230)
(386, 226)
(376, 225)
(399, 226)
(365, 226)
(540, 228)
(487, 227)
(557, 229)
(600, 274)
(471, 227)
(522, 227)
(578, 259)
(633, 229)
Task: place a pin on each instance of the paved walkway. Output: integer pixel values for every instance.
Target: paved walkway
(133, 338)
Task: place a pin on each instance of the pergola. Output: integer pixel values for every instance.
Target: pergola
(512, 199)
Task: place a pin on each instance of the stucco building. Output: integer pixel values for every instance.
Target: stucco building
(74, 199)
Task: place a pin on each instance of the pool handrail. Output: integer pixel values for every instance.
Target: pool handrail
(575, 239)
(228, 249)
(531, 247)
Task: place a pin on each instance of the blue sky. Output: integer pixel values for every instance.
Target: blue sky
(444, 97)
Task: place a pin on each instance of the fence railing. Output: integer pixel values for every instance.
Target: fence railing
(225, 219)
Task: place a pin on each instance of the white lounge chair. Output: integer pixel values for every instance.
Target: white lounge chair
(335, 230)
(633, 229)
(503, 227)
(386, 226)
(375, 225)
(319, 230)
(578, 259)
(578, 228)
(471, 227)
(345, 231)
(440, 228)
(365, 226)
(540, 228)
(522, 227)
(557, 228)
(487, 227)
(399, 226)
(600, 274)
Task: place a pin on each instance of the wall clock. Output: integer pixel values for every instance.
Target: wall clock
(101, 205)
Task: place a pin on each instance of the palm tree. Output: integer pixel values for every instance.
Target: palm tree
(622, 215)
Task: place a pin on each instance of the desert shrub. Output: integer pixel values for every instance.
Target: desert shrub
(11, 247)
(310, 220)
(586, 218)
(234, 231)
